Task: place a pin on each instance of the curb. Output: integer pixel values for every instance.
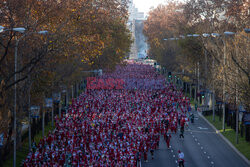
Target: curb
(226, 140)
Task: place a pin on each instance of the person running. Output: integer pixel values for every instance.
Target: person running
(187, 122)
(152, 150)
(145, 154)
(181, 158)
(182, 132)
(168, 137)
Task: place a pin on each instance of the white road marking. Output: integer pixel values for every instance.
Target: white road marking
(201, 128)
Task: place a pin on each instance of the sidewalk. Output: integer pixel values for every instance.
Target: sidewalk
(23, 151)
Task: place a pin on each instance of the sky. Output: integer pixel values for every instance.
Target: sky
(144, 5)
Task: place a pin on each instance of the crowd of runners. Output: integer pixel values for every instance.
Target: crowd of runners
(114, 127)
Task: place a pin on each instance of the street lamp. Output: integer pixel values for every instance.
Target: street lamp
(196, 35)
(198, 66)
(205, 35)
(229, 33)
(16, 54)
(226, 33)
(223, 89)
(215, 35)
(17, 29)
(21, 30)
(237, 71)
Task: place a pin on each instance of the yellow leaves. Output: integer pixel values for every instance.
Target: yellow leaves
(118, 50)
(102, 43)
(157, 42)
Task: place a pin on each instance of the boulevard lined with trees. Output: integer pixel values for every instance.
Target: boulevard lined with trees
(82, 35)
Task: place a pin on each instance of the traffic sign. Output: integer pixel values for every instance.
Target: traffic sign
(34, 111)
(48, 102)
(56, 97)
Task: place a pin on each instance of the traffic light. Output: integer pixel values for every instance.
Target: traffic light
(203, 96)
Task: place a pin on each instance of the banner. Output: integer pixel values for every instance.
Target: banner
(109, 83)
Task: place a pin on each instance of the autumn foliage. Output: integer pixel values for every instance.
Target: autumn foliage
(82, 35)
(198, 17)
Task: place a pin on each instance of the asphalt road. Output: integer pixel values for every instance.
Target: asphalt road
(202, 147)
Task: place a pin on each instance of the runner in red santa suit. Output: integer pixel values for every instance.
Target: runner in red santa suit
(168, 138)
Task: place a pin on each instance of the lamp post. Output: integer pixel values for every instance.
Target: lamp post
(15, 97)
(213, 95)
(198, 72)
(224, 74)
(198, 88)
(237, 72)
(236, 94)
(16, 54)
(236, 104)
(224, 77)
(21, 30)
(213, 98)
